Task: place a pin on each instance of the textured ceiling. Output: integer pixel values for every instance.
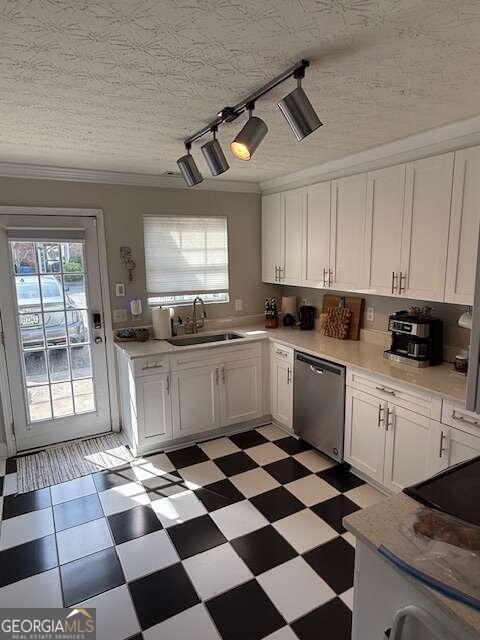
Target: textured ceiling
(118, 84)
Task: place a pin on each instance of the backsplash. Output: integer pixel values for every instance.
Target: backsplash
(455, 338)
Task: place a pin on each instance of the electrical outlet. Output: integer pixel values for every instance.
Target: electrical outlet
(238, 305)
(119, 315)
(119, 289)
(370, 314)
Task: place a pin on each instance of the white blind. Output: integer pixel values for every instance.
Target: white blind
(185, 254)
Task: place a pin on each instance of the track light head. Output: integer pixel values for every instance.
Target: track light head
(299, 112)
(214, 156)
(249, 137)
(189, 170)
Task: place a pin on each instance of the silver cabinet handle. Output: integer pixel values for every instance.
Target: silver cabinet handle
(216, 377)
(276, 273)
(403, 288)
(330, 277)
(389, 415)
(281, 273)
(381, 418)
(223, 375)
(394, 282)
(289, 375)
(321, 372)
(152, 366)
(460, 418)
(443, 450)
(281, 353)
(385, 390)
(325, 283)
(168, 385)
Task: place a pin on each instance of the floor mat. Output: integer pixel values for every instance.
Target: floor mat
(70, 461)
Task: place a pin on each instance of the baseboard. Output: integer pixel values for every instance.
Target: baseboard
(373, 483)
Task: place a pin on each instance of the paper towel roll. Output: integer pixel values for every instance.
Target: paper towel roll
(161, 322)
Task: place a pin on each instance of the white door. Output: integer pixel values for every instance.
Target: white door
(453, 446)
(154, 407)
(426, 223)
(365, 433)
(383, 233)
(240, 391)
(317, 235)
(52, 315)
(273, 237)
(347, 232)
(464, 227)
(408, 448)
(281, 390)
(292, 272)
(195, 400)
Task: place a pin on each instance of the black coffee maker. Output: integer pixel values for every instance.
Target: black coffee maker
(306, 316)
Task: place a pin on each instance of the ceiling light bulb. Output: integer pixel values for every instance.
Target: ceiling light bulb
(189, 170)
(299, 113)
(214, 156)
(249, 138)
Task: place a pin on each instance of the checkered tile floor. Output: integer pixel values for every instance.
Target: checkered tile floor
(237, 538)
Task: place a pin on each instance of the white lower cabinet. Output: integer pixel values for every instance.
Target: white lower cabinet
(455, 446)
(195, 404)
(154, 408)
(240, 391)
(281, 384)
(364, 433)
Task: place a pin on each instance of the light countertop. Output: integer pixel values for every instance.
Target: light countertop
(379, 525)
(361, 354)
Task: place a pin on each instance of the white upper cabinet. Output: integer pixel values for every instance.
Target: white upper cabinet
(426, 225)
(317, 234)
(292, 265)
(464, 227)
(383, 231)
(273, 237)
(347, 232)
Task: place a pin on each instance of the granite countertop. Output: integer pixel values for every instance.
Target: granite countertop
(361, 354)
(379, 525)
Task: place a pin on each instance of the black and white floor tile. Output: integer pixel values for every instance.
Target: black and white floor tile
(203, 542)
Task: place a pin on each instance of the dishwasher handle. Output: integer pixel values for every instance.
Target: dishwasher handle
(320, 366)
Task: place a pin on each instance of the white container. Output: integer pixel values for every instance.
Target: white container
(162, 323)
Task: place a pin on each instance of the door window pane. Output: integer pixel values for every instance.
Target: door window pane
(52, 293)
(58, 365)
(28, 294)
(75, 297)
(55, 328)
(83, 395)
(24, 257)
(35, 368)
(39, 407)
(72, 257)
(77, 326)
(62, 400)
(81, 362)
(31, 331)
(48, 255)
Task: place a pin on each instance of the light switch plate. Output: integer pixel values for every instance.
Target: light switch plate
(238, 305)
(371, 314)
(119, 315)
(119, 289)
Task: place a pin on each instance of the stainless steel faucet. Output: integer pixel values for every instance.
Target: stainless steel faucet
(198, 324)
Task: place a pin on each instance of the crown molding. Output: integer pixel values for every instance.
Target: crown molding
(457, 135)
(65, 174)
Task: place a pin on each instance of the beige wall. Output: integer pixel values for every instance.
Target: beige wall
(124, 207)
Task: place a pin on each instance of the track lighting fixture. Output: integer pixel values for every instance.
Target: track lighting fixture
(298, 111)
(188, 168)
(250, 136)
(214, 156)
(296, 107)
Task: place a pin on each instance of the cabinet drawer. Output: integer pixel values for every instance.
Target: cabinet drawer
(455, 415)
(283, 353)
(151, 366)
(214, 355)
(425, 404)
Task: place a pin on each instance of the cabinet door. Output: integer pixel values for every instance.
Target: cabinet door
(348, 232)
(195, 403)
(281, 391)
(317, 234)
(273, 236)
(408, 448)
(154, 407)
(426, 222)
(383, 232)
(292, 267)
(464, 227)
(453, 446)
(240, 391)
(365, 433)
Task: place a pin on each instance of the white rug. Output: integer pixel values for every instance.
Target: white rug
(70, 461)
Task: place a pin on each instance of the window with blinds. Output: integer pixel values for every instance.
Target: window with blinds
(186, 256)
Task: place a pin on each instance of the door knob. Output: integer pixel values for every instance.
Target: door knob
(98, 340)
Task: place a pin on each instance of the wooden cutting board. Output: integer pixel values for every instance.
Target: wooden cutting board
(355, 305)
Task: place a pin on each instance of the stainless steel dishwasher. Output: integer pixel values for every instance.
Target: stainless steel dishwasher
(319, 404)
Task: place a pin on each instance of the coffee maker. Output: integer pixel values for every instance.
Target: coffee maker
(417, 338)
(306, 316)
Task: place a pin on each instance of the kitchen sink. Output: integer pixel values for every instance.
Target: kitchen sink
(185, 341)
